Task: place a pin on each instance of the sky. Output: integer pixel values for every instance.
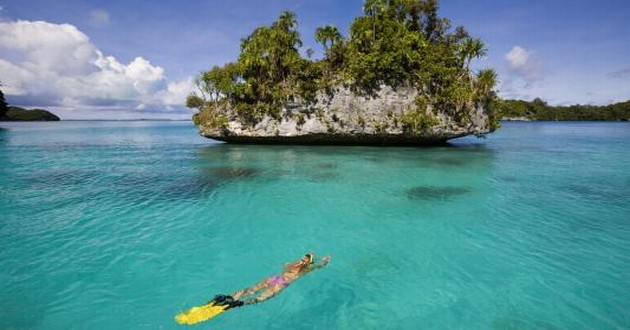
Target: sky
(132, 59)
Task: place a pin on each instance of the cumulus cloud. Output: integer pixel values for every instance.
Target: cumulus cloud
(525, 65)
(57, 65)
(99, 18)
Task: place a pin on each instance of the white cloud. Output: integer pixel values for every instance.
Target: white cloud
(517, 58)
(99, 18)
(525, 65)
(176, 92)
(10, 74)
(57, 65)
(42, 46)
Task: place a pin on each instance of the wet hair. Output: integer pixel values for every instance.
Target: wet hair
(310, 257)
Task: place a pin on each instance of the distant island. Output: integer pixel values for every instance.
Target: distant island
(402, 76)
(539, 110)
(20, 114)
(13, 113)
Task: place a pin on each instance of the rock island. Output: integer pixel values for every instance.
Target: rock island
(401, 77)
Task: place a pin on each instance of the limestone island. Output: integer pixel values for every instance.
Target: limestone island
(401, 77)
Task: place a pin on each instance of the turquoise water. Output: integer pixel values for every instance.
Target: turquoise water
(121, 225)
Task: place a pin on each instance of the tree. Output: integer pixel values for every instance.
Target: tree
(268, 73)
(486, 80)
(269, 64)
(328, 36)
(193, 101)
(538, 109)
(4, 107)
(309, 53)
(395, 43)
(471, 48)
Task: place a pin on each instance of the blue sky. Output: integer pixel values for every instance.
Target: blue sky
(136, 59)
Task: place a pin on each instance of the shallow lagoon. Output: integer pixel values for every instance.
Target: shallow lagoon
(112, 225)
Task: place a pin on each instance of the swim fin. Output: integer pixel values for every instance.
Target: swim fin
(214, 307)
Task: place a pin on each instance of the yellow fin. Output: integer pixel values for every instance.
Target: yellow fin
(200, 313)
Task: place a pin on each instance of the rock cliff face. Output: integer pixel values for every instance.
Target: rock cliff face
(346, 118)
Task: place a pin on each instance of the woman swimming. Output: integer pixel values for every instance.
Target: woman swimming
(270, 286)
(266, 289)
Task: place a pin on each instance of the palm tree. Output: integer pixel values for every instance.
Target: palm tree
(471, 48)
(373, 7)
(486, 80)
(328, 36)
(287, 20)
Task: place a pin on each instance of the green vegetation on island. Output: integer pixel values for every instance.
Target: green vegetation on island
(396, 43)
(540, 110)
(21, 114)
(12, 113)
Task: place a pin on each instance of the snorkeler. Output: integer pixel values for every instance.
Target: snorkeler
(266, 289)
(270, 286)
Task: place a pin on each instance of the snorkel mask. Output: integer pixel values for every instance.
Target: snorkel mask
(310, 258)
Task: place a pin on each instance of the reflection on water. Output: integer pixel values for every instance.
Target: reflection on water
(326, 166)
(450, 161)
(230, 173)
(207, 180)
(4, 134)
(358, 166)
(131, 174)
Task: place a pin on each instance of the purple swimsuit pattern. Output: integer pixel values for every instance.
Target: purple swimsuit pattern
(277, 280)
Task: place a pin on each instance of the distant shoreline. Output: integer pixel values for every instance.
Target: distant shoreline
(521, 119)
(539, 110)
(127, 120)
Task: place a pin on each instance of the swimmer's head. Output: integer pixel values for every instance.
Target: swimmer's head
(308, 259)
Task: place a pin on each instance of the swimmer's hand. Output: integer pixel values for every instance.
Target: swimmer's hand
(325, 260)
(323, 263)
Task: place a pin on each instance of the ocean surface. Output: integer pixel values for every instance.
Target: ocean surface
(122, 225)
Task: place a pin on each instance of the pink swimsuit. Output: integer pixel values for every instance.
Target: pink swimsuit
(277, 280)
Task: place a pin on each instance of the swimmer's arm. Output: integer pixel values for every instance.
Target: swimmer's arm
(322, 264)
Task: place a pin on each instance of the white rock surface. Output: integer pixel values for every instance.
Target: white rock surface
(346, 118)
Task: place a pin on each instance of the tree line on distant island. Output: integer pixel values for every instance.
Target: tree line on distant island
(12, 113)
(538, 109)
